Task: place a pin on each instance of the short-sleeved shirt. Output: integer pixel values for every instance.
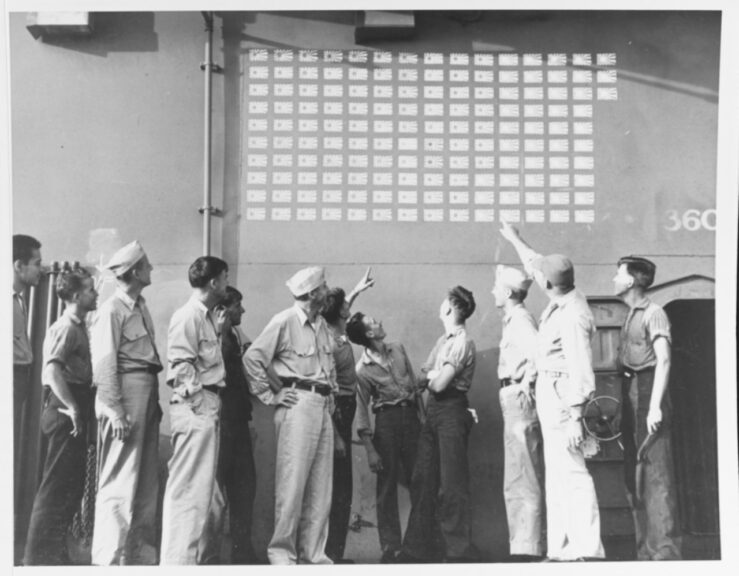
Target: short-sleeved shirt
(122, 341)
(194, 350)
(383, 384)
(517, 359)
(644, 323)
(66, 344)
(458, 350)
(22, 353)
(346, 373)
(294, 347)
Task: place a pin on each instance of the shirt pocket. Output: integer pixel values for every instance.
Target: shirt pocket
(209, 351)
(135, 337)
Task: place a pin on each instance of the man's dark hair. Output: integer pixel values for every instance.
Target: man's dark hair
(232, 296)
(462, 301)
(356, 331)
(205, 269)
(519, 295)
(641, 269)
(23, 247)
(334, 303)
(70, 282)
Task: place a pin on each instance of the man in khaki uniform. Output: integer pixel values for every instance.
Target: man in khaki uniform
(125, 364)
(565, 382)
(523, 473)
(296, 344)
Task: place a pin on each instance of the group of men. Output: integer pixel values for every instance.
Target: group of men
(414, 425)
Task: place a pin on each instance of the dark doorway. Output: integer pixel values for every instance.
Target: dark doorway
(693, 392)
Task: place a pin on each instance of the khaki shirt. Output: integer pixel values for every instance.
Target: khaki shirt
(517, 359)
(383, 384)
(294, 348)
(644, 323)
(22, 353)
(122, 340)
(566, 328)
(194, 354)
(66, 343)
(458, 350)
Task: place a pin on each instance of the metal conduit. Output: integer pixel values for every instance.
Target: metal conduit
(208, 68)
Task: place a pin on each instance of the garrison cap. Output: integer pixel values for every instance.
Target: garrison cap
(306, 280)
(512, 278)
(126, 258)
(557, 269)
(647, 267)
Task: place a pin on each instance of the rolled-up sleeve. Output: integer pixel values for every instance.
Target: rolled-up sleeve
(458, 355)
(182, 352)
(658, 325)
(105, 333)
(259, 357)
(364, 399)
(576, 332)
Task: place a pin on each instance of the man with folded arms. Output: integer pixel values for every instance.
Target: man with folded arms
(386, 382)
(565, 382)
(523, 471)
(125, 364)
(296, 346)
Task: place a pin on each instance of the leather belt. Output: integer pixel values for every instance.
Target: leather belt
(321, 389)
(401, 404)
(151, 369)
(213, 388)
(629, 373)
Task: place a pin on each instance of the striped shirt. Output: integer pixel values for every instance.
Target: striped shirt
(644, 323)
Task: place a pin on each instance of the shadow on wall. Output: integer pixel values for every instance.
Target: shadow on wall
(112, 32)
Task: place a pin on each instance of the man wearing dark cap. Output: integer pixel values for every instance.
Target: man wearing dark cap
(644, 357)
(564, 384)
(125, 364)
(297, 347)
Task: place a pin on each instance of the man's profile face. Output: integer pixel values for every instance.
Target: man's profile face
(373, 328)
(234, 312)
(29, 272)
(622, 281)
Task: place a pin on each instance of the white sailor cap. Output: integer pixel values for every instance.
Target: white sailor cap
(306, 280)
(512, 278)
(126, 258)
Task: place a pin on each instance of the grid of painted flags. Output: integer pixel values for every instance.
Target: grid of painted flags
(377, 136)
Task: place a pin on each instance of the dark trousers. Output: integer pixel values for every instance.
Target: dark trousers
(341, 502)
(62, 485)
(396, 442)
(238, 478)
(439, 523)
(21, 382)
(651, 481)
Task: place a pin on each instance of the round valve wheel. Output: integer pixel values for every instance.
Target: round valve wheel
(601, 418)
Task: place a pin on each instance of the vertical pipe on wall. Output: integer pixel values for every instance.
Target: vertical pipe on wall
(208, 17)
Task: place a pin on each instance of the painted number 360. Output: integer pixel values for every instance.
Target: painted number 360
(691, 220)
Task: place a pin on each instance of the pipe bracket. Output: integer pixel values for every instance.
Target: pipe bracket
(215, 68)
(212, 210)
